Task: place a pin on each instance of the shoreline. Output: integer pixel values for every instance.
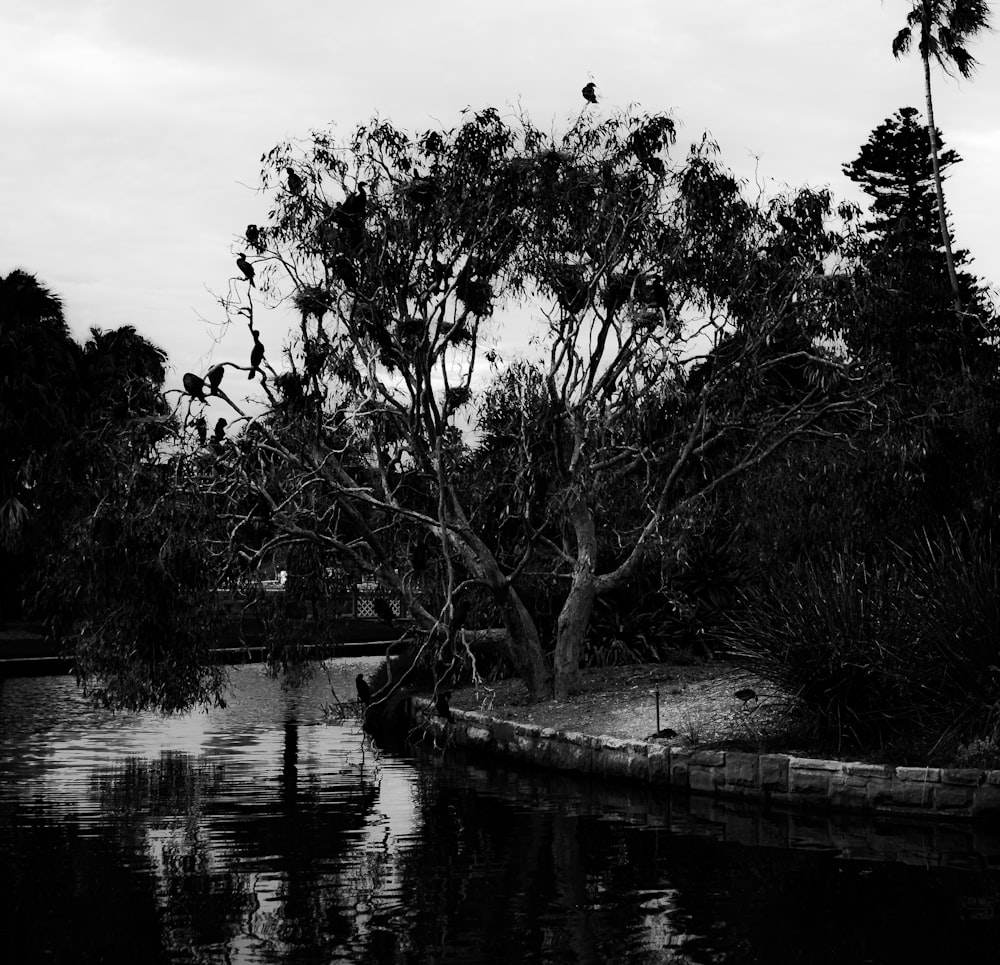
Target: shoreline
(768, 779)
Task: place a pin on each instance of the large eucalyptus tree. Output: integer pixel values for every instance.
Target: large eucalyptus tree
(670, 322)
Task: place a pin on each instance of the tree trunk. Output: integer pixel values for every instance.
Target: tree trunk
(523, 646)
(938, 184)
(574, 617)
(524, 649)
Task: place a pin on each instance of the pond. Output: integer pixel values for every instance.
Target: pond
(264, 832)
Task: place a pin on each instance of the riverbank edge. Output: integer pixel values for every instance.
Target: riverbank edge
(778, 779)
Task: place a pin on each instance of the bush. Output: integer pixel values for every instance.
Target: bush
(904, 651)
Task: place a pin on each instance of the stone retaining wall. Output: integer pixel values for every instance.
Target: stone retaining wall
(770, 778)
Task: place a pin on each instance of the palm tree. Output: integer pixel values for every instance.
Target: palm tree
(943, 27)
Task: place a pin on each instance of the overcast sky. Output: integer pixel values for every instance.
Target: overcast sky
(131, 132)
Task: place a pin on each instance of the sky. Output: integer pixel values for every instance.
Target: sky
(131, 132)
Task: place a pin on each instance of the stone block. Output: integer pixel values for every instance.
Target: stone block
(773, 769)
(680, 765)
(866, 771)
(879, 790)
(705, 777)
(804, 779)
(969, 776)
(986, 800)
(846, 792)
(925, 775)
(815, 764)
(910, 793)
(742, 769)
(478, 736)
(658, 757)
(709, 758)
(950, 797)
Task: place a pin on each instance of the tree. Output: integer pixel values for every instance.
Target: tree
(943, 28)
(674, 338)
(906, 313)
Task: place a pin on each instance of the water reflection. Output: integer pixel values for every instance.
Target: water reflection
(263, 833)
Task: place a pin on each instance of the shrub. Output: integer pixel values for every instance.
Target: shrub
(902, 651)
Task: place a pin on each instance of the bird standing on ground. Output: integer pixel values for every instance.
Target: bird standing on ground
(364, 691)
(441, 705)
(245, 267)
(590, 93)
(214, 378)
(256, 354)
(194, 385)
(746, 694)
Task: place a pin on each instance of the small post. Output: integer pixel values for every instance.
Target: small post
(656, 693)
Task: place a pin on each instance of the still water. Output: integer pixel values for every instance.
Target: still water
(266, 833)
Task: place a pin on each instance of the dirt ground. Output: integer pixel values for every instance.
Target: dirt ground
(698, 701)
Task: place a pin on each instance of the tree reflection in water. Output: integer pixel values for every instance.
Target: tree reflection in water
(281, 839)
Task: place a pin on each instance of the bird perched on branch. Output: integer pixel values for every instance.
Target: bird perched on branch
(441, 705)
(220, 430)
(295, 183)
(194, 385)
(214, 378)
(590, 93)
(350, 214)
(364, 691)
(252, 235)
(256, 354)
(201, 427)
(245, 267)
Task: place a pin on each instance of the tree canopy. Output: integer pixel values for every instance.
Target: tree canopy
(674, 326)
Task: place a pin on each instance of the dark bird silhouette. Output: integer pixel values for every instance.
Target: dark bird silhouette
(355, 205)
(256, 354)
(665, 733)
(295, 183)
(364, 691)
(202, 429)
(194, 385)
(220, 430)
(246, 268)
(253, 236)
(746, 694)
(350, 214)
(383, 610)
(422, 191)
(590, 93)
(441, 705)
(214, 377)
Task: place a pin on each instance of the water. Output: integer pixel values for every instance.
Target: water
(264, 833)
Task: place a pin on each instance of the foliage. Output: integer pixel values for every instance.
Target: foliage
(674, 348)
(619, 635)
(144, 611)
(72, 419)
(903, 650)
(902, 309)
